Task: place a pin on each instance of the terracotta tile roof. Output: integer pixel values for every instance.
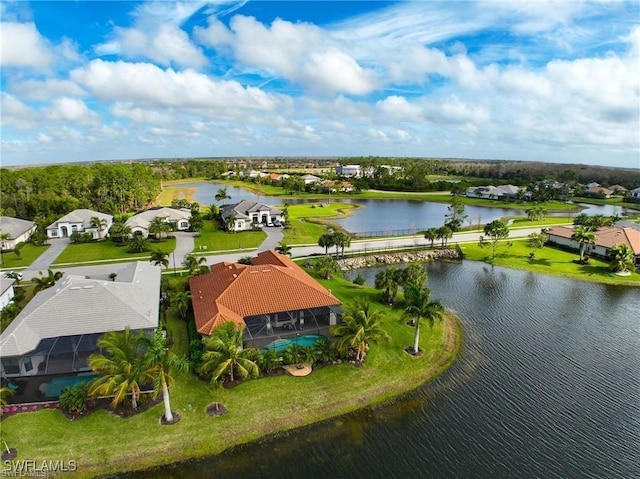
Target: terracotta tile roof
(606, 237)
(272, 283)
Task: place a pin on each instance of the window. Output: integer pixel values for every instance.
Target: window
(54, 232)
(28, 365)
(11, 365)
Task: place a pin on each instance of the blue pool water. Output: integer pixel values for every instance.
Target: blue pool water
(304, 341)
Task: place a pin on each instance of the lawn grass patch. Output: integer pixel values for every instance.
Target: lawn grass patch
(549, 260)
(28, 254)
(109, 250)
(214, 238)
(103, 443)
(308, 221)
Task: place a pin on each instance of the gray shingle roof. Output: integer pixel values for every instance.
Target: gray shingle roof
(245, 207)
(77, 305)
(81, 215)
(14, 226)
(143, 219)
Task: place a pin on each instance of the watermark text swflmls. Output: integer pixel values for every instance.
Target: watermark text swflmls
(33, 468)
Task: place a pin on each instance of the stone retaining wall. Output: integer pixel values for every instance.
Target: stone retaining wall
(396, 258)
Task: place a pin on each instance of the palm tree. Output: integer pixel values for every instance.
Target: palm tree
(444, 233)
(138, 244)
(44, 282)
(160, 258)
(622, 258)
(231, 222)
(158, 227)
(122, 367)
(283, 248)
(583, 236)
(213, 211)
(325, 266)
(431, 234)
(120, 230)
(158, 360)
(420, 307)
(360, 327)
(222, 195)
(181, 301)
(224, 355)
(341, 240)
(326, 241)
(193, 264)
(99, 224)
(388, 280)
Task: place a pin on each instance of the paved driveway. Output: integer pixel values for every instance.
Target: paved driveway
(274, 236)
(43, 262)
(184, 246)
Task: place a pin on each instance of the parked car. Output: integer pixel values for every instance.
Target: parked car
(13, 275)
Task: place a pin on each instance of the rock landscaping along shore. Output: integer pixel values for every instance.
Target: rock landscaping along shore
(397, 258)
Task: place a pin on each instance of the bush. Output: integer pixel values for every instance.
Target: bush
(359, 280)
(74, 399)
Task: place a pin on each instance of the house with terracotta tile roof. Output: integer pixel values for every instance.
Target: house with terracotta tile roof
(606, 238)
(271, 299)
(598, 192)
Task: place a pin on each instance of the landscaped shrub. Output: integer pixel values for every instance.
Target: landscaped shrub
(269, 360)
(75, 398)
(359, 280)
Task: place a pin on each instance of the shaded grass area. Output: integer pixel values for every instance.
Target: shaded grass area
(103, 443)
(213, 238)
(28, 254)
(549, 260)
(109, 250)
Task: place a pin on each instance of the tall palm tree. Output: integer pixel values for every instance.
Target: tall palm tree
(159, 258)
(420, 307)
(158, 360)
(326, 266)
(122, 367)
(583, 236)
(120, 230)
(231, 222)
(431, 234)
(359, 328)
(98, 223)
(224, 355)
(326, 241)
(622, 258)
(222, 195)
(181, 301)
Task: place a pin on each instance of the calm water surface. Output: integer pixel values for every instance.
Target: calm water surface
(385, 215)
(547, 387)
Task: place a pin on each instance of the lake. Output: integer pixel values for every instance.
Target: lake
(384, 215)
(546, 387)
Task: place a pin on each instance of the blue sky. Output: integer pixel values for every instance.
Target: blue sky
(525, 80)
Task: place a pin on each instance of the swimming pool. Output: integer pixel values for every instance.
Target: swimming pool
(304, 341)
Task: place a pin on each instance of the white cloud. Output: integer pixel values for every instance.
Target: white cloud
(167, 44)
(147, 85)
(45, 90)
(15, 113)
(300, 52)
(21, 45)
(71, 110)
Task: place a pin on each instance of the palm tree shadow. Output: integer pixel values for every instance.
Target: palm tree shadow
(540, 261)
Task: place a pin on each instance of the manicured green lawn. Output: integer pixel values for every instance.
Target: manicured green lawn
(307, 222)
(549, 260)
(213, 238)
(102, 443)
(28, 254)
(109, 250)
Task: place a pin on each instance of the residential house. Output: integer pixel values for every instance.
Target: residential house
(334, 186)
(178, 219)
(606, 238)
(501, 192)
(278, 176)
(634, 196)
(247, 214)
(349, 171)
(598, 192)
(59, 328)
(618, 190)
(19, 231)
(253, 174)
(593, 184)
(7, 291)
(79, 221)
(272, 298)
(309, 179)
